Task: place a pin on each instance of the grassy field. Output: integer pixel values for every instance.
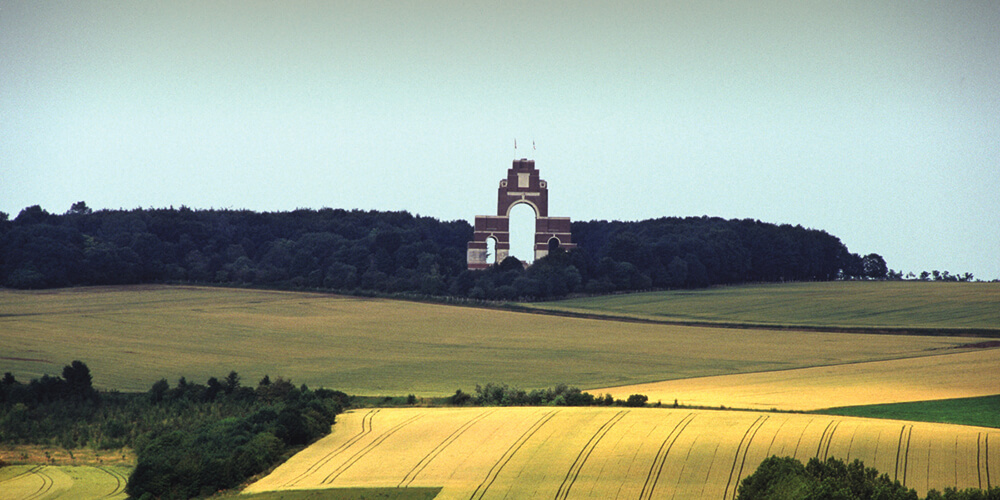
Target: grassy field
(981, 411)
(44, 482)
(916, 379)
(130, 337)
(974, 307)
(615, 452)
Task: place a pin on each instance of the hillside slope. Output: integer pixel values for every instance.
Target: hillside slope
(945, 376)
(903, 306)
(618, 453)
(131, 337)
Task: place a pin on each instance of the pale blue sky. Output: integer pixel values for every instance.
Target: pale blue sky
(878, 122)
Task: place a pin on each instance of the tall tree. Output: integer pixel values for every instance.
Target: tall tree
(874, 266)
(79, 384)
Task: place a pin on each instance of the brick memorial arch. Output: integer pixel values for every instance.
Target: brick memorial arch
(522, 185)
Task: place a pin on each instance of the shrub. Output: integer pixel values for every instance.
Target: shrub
(460, 398)
(636, 400)
(779, 478)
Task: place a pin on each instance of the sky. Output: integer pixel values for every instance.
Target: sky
(878, 122)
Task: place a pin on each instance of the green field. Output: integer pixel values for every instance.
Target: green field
(888, 305)
(130, 337)
(42, 482)
(982, 411)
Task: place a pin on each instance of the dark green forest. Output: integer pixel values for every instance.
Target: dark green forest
(370, 252)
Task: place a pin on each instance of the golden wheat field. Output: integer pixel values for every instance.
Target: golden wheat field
(946, 376)
(557, 452)
(44, 482)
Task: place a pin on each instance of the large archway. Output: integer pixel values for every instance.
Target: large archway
(522, 186)
(522, 232)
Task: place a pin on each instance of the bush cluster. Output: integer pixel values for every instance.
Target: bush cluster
(221, 454)
(61, 411)
(781, 478)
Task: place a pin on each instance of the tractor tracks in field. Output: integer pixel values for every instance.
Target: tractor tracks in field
(427, 459)
(656, 468)
(358, 455)
(684, 465)
(801, 434)
(366, 428)
(827, 437)
(24, 473)
(47, 482)
(748, 436)
(850, 445)
(494, 471)
(983, 459)
(46, 485)
(120, 481)
(903, 452)
(581, 457)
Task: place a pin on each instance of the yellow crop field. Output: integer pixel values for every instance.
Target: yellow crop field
(130, 337)
(554, 452)
(945, 376)
(43, 482)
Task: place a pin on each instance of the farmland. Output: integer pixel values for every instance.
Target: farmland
(957, 375)
(619, 453)
(982, 411)
(344, 494)
(48, 481)
(133, 336)
(888, 305)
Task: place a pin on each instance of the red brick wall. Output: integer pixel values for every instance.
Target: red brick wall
(535, 192)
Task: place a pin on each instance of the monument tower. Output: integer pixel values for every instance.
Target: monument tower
(522, 185)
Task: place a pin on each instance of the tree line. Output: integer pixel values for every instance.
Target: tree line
(498, 394)
(371, 252)
(190, 439)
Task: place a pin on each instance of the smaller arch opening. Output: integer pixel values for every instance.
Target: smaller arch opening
(491, 250)
(553, 244)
